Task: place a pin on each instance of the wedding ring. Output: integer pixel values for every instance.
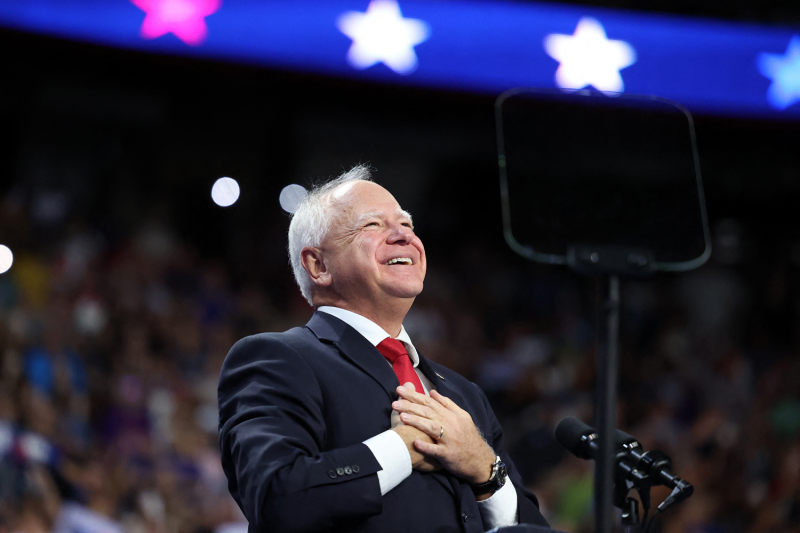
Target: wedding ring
(440, 433)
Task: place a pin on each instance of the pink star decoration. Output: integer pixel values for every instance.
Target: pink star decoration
(184, 18)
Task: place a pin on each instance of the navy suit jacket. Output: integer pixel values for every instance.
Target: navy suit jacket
(294, 410)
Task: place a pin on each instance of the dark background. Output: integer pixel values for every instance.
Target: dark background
(107, 158)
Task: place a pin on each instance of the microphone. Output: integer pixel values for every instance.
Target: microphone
(632, 462)
(578, 438)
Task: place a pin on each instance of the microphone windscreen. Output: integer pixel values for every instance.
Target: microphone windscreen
(621, 438)
(569, 432)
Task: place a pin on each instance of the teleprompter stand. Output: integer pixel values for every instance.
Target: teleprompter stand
(609, 219)
(610, 264)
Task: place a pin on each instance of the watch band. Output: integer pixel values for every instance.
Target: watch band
(497, 479)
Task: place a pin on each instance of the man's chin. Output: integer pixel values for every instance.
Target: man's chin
(405, 292)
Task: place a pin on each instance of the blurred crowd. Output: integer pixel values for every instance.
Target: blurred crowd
(110, 354)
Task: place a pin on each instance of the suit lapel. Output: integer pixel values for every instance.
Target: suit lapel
(356, 349)
(363, 354)
(441, 385)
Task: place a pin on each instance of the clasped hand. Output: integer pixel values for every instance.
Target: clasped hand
(461, 449)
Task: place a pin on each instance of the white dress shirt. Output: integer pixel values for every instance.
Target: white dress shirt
(499, 510)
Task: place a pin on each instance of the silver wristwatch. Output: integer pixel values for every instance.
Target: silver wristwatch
(497, 479)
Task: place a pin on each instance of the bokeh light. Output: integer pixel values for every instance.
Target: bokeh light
(291, 196)
(225, 192)
(6, 258)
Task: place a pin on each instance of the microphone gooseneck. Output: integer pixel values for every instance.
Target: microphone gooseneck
(638, 467)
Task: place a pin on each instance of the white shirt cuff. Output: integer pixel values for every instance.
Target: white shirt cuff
(500, 509)
(391, 453)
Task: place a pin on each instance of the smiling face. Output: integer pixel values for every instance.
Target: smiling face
(372, 258)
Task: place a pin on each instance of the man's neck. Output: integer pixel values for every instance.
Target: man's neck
(388, 317)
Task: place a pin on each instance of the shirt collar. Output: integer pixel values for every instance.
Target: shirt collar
(370, 330)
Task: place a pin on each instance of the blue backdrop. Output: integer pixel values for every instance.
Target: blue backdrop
(709, 66)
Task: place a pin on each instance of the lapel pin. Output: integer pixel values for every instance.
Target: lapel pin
(440, 376)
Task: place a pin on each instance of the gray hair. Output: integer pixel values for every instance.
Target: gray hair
(311, 222)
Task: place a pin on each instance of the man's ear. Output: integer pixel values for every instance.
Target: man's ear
(311, 258)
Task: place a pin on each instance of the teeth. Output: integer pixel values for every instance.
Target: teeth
(406, 260)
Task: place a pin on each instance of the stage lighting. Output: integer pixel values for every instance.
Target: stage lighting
(225, 192)
(6, 258)
(291, 196)
(588, 57)
(382, 35)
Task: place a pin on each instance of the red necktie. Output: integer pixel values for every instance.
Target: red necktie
(394, 352)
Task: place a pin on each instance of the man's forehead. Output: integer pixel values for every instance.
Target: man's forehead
(368, 201)
(361, 196)
(342, 190)
(358, 190)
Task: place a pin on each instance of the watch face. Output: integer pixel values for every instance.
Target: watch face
(502, 474)
(497, 481)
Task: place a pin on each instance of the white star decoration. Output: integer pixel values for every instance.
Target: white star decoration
(587, 57)
(784, 71)
(382, 35)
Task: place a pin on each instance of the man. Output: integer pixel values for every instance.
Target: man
(307, 433)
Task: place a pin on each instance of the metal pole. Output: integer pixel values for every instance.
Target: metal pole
(606, 390)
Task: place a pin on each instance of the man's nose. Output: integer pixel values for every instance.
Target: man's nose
(400, 233)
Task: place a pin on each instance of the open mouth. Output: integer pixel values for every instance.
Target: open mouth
(400, 261)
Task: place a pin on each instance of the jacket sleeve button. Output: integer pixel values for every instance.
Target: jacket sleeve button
(356, 469)
(340, 471)
(348, 470)
(331, 474)
(464, 516)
